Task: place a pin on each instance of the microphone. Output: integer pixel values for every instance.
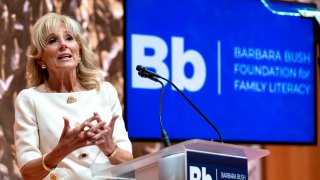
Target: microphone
(143, 72)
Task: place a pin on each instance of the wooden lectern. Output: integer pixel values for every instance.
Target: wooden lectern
(192, 159)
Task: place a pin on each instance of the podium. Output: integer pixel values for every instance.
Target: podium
(192, 159)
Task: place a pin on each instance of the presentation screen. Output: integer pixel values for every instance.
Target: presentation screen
(248, 65)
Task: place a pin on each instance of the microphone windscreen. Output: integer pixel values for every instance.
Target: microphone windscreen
(139, 67)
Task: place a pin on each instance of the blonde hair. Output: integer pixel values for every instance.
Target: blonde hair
(87, 74)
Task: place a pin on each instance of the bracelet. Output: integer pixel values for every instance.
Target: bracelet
(113, 152)
(45, 166)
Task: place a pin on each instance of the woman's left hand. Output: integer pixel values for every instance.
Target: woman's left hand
(101, 134)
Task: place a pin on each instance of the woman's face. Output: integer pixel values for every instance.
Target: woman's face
(62, 52)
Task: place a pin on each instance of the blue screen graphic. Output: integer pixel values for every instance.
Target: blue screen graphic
(250, 71)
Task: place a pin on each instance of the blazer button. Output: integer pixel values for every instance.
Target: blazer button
(53, 176)
(83, 155)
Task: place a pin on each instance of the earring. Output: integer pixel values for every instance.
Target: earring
(79, 60)
(43, 66)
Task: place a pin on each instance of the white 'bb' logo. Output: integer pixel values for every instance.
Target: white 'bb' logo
(179, 58)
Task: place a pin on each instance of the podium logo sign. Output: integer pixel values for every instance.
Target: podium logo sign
(207, 166)
(197, 173)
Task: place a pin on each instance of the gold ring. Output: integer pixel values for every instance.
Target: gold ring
(77, 124)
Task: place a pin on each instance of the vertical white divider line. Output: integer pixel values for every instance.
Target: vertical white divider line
(216, 174)
(219, 66)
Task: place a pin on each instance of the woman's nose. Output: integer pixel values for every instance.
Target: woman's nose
(63, 45)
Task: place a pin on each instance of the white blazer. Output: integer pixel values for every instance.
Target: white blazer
(39, 124)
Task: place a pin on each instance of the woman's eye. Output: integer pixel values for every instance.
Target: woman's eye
(52, 40)
(69, 38)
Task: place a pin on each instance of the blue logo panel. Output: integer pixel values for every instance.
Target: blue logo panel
(249, 70)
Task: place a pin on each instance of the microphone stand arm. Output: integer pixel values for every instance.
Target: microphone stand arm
(195, 107)
(165, 137)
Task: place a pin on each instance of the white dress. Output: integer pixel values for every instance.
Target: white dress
(39, 124)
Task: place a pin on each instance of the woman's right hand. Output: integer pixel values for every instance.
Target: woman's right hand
(74, 138)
